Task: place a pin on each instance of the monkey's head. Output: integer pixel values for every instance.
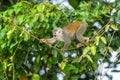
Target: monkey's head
(57, 32)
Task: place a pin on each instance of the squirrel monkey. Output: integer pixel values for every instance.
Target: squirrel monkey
(73, 30)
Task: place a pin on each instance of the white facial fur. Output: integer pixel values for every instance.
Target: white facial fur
(57, 33)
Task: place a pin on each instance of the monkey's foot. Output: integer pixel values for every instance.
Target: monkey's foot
(79, 45)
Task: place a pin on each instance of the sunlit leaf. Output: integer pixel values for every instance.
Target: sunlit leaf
(13, 44)
(103, 40)
(5, 64)
(11, 58)
(41, 7)
(97, 38)
(3, 45)
(35, 18)
(89, 58)
(9, 33)
(110, 49)
(41, 17)
(114, 27)
(65, 60)
(93, 50)
(86, 50)
(62, 65)
(10, 66)
(20, 19)
(36, 77)
(26, 36)
(107, 27)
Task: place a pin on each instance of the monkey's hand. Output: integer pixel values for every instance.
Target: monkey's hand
(43, 41)
(48, 41)
(86, 40)
(79, 45)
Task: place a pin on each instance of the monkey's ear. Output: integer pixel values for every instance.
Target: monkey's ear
(57, 30)
(54, 30)
(60, 30)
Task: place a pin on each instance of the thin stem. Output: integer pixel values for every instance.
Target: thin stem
(106, 52)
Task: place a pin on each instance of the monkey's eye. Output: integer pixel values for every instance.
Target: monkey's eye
(59, 31)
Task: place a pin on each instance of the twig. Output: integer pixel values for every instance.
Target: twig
(99, 31)
(107, 51)
(47, 44)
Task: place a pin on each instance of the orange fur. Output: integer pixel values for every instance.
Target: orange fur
(72, 27)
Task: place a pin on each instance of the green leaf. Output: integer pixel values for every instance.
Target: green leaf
(3, 45)
(3, 32)
(75, 77)
(36, 77)
(26, 36)
(35, 18)
(41, 8)
(20, 19)
(10, 32)
(13, 44)
(93, 50)
(76, 60)
(38, 59)
(74, 3)
(41, 17)
(114, 27)
(4, 64)
(86, 50)
(107, 27)
(104, 40)
(110, 49)
(17, 10)
(10, 66)
(0, 27)
(70, 67)
(62, 65)
(89, 58)
(54, 52)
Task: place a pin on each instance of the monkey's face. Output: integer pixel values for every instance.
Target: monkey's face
(57, 32)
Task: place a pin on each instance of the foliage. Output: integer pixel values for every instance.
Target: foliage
(23, 24)
(17, 46)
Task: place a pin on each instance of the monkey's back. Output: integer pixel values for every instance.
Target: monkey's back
(72, 27)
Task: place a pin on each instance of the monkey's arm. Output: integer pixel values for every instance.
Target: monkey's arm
(48, 41)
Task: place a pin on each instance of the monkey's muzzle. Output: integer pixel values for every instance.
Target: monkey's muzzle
(54, 35)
